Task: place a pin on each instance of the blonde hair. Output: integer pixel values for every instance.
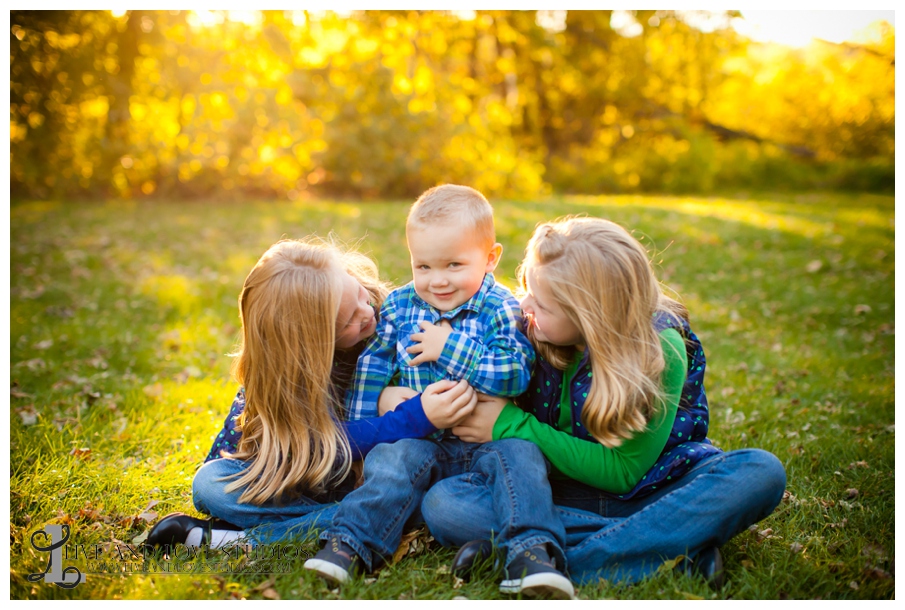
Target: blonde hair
(602, 279)
(288, 308)
(454, 203)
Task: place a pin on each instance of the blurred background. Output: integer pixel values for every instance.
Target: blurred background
(383, 104)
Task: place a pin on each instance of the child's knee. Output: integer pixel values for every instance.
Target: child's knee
(519, 454)
(765, 477)
(403, 457)
(208, 488)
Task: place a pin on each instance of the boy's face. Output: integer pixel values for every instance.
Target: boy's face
(449, 263)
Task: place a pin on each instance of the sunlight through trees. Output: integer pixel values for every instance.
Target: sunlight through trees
(386, 103)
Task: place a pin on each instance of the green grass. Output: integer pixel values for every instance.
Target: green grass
(122, 315)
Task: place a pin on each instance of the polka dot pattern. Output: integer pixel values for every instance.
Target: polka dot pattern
(687, 444)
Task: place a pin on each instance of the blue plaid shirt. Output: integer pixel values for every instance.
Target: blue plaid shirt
(486, 347)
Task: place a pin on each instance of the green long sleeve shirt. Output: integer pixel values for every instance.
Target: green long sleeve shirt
(615, 470)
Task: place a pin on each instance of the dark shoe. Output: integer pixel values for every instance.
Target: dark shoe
(708, 564)
(174, 529)
(469, 555)
(335, 563)
(534, 574)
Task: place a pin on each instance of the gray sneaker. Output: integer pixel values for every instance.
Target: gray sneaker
(533, 573)
(335, 563)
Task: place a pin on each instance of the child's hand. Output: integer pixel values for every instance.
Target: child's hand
(447, 402)
(430, 342)
(478, 427)
(390, 398)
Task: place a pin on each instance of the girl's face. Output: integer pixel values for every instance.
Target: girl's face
(355, 320)
(545, 316)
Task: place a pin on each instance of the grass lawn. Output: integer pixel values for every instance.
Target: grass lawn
(122, 315)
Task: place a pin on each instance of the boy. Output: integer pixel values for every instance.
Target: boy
(451, 322)
(451, 239)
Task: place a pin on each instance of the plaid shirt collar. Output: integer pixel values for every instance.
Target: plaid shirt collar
(475, 304)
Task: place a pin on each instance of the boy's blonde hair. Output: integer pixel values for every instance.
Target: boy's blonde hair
(602, 279)
(288, 308)
(453, 203)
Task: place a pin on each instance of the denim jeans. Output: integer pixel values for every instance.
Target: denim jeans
(512, 472)
(626, 541)
(271, 522)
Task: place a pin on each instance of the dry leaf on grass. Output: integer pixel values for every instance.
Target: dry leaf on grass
(412, 543)
(28, 415)
(16, 393)
(270, 594)
(814, 266)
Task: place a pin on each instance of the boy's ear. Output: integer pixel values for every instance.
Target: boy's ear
(493, 258)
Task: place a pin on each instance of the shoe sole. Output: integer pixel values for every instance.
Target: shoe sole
(547, 585)
(328, 571)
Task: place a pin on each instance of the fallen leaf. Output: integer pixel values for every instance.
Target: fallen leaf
(851, 493)
(853, 585)
(34, 364)
(860, 309)
(44, 344)
(764, 534)
(267, 584)
(141, 537)
(796, 547)
(270, 594)
(64, 518)
(127, 522)
(62, 423)
(81, 452)
(28, 415)
(15, 393)
(875, 552)
(859, 464)
(148, 516)
(877, 573)
(814, 266)
(412, 543)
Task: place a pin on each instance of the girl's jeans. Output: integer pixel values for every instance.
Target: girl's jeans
(271, 522)
(510, 476)
(625, 540)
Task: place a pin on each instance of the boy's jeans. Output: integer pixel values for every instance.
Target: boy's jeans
(627, 540)
(271, 522)
(511, 473)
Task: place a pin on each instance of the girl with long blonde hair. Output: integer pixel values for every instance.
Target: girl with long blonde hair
(618, 408)
(285, 454)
